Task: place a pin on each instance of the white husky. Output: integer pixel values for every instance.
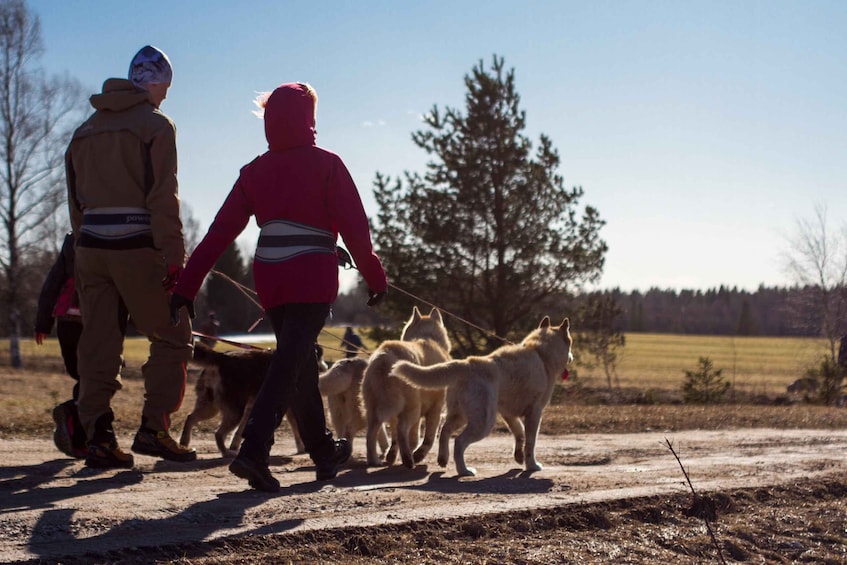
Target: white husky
(514, 380)
(424, 341)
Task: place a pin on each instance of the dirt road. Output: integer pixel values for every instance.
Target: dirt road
(52, 507)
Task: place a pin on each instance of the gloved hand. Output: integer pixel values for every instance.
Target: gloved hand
(177, 302)
(376, 297)
(39, 337)
(171, 277)
(344, 259)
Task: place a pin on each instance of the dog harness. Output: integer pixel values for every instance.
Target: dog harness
(281, 240)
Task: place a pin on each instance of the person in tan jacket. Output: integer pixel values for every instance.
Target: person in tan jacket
(121, 169)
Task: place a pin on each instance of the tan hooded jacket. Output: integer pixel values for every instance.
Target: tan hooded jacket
(124, 157)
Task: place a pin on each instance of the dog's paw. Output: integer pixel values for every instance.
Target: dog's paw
(533, 466)
(230, 453)
(467, 472)
(519, 456)
(442, 461)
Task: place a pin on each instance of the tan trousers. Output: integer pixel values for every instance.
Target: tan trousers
(103, 278)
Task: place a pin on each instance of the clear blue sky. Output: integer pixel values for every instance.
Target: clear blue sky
(700, 130)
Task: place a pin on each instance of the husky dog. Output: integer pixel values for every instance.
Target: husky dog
(424, 341)
(229, 385)
(514, 380)
(341, 384)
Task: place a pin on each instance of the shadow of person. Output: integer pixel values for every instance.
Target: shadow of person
(25, 494)
(149, 536)
(19, 477)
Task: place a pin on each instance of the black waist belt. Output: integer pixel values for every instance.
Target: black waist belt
(133, 242)
(325, 242)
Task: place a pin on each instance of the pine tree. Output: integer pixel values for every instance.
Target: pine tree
(489, 231)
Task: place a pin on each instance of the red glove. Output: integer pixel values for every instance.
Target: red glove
(172, 277)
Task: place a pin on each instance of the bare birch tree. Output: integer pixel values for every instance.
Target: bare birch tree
(36, 114)
(816, 261)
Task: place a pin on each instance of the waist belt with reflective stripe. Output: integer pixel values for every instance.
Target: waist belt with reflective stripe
(281, 240)
(116, 223)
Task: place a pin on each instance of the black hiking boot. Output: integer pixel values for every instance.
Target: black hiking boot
(257, 474)
(68, 435)
(327, 468)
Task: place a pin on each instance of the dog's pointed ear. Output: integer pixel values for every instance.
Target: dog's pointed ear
(545, 323)
(435, 313)
(566, 324)
(416, 314)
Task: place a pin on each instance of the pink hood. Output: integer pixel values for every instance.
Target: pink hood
(290, 117)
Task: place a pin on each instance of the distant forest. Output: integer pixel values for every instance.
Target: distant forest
(722, 311)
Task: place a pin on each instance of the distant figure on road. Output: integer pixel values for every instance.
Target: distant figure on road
(351, 342)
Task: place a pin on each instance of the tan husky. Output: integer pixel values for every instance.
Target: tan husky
(424, 341)
(514, 380)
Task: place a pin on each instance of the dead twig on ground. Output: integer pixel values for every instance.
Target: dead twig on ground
(702, 506)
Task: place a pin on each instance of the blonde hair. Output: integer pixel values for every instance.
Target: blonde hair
(261, 99)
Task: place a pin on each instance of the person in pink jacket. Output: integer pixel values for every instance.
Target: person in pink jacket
(303, 197)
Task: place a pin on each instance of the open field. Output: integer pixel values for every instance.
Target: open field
(756, 365)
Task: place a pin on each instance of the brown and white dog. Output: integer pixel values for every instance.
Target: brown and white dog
(231, 380)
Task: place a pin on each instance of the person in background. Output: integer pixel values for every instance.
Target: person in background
(351, 342)
(210, 330)
(121, 168)
(303, 197)
(59, 301)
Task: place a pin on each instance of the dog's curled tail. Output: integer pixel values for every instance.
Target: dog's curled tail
(433, 377)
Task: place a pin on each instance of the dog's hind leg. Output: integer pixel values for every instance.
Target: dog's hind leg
(374, 426)
(408, 430)
(453, 422)
(200, 413)
(516, 426)
(229, 422)
(235, 442)
(295, 431)
(391, 454)
(382, 438)
(476, 430)
(433, 418)
(533, 423)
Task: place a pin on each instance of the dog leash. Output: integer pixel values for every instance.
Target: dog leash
(230, 342)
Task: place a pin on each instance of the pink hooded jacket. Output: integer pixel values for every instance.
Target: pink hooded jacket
(295, 188)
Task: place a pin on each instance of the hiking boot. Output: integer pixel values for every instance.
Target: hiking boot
(68, 430)
(108, 456)
(327, 468)
(257, 474)
(161, 444)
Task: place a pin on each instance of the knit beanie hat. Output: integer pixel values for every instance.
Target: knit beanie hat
(150, 66)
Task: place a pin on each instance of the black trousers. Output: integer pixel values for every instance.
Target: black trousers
(291, 382)
(68, 332)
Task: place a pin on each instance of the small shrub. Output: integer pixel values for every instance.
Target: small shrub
(830, 377)
(705, 385)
